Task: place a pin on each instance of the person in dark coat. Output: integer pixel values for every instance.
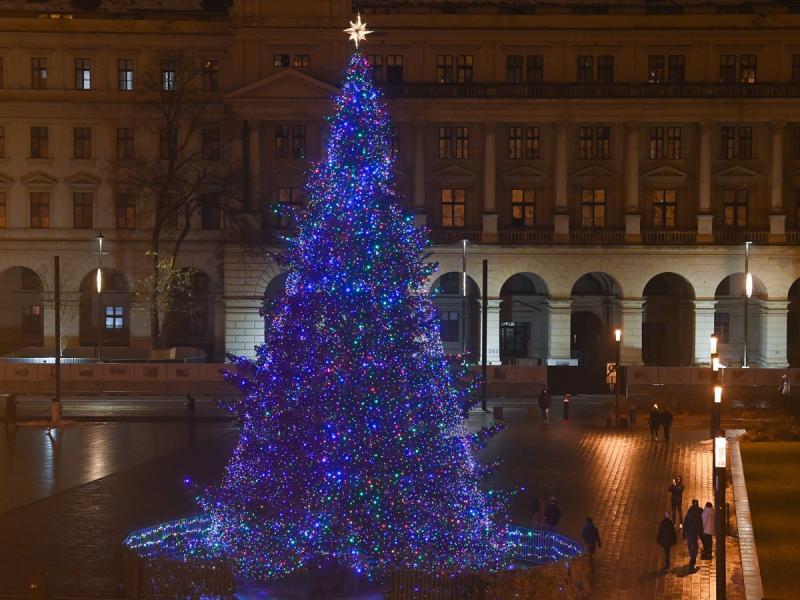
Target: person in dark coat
(655, 422)
(544, 404)
(666, 422)
(552, 514)
(666, 537)
(692, 528)
(676, 499)
(591, 536)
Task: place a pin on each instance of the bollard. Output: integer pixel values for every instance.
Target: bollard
(498, 413)
(632, 414)
(565, 406)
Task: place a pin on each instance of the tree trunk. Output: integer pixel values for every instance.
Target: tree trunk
(155, 328)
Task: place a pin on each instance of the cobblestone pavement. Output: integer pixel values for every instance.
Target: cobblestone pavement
(621, 480)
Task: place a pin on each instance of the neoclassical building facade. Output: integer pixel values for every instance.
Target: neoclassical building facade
(608, 160)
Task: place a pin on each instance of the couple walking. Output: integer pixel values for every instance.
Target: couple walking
(660, 420)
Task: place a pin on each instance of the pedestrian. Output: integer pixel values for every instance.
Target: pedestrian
(544, 404)
(676, 499)
(536, 513)
(565, 406)
(654, 421)
(552, 514)
(666, 422)
(11, 409)
(785, 390)
(666, 537)
(692, 528)
(591, 536)
(708, 531)
(190, 406)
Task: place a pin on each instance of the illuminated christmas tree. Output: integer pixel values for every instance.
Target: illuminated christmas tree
(353, 445)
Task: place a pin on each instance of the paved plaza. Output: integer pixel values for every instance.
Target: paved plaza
(67, 501)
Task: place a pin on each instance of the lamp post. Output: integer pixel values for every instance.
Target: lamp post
(748, 291)
(720, 462)
(99, 284)
(463, 297)
(714, 422)
(618, 338)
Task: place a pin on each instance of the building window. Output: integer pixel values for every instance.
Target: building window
(168, 68)
(593, 208)
(32, 319)
(211, 75)
(395, 141)
(394, 68)
(523, 207)
(462, 142)
(82, 210)
(299, 141)
(747, 68)
(376, 67)
(115, 318)
(727, 68)
(83, 74)
(673, 143)
(302, 61)
(211, 144)
(665, 205)
(464, 68)
(40, 144)
(281, 141)
(81, 142)
(444, 68)
(585, 142)
(734, 204)
(126, 143)
(585, 69)
(288, 205)
(677, 68)
(453, 142)
(125, 74)
(665, 143)
(3, 221)
(167, 144)
(736, 142)
(795, 68)
(39, 73)
(40, 210)
(722, 327)
(602, 142)
(448, 325)
(210, 213)
(126, 210)
(280, 60)
(535, 68)
(453, 203)
(605, 69)
(523, 142)
(514, 68)
(655, 68)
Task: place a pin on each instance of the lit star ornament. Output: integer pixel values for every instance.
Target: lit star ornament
(358, 31)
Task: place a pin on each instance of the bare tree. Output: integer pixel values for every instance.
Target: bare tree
(190, 176)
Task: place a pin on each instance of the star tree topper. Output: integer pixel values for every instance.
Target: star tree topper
(358, 31)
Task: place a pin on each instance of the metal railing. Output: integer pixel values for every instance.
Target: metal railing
(526, 236)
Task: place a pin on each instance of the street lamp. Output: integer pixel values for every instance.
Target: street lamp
(99, 285)
(748, 292)
(464, 297)
(720, 462)
(618, 338)
(714, 421)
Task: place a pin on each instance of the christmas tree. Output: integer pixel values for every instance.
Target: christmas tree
(353, 445)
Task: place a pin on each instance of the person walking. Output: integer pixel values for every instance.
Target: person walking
(536, 513)
(544, 404)
(785, 391)
(692, 528)
(666, 537)
(552, 514)
(654, 421)
(665, 419)
(676, 499)
(708, 531)
(591, 536)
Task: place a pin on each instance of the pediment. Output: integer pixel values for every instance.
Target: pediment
(83, 179)
(454, 172)
(5, 181)
(288, 172)
(737, 172)
(286, 84)
(594, 171)
(38, 179)
(665, 172)
(524, 174)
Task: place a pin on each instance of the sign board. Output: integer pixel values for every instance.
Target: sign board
(611, 373)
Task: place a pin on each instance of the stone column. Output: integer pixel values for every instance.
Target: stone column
(705, 218)
(420, 216)
(632, 214)
(255, 167)
(559, 330)
(774, 326)
(777, 216)
(489, 184)
(630, 311)
(492, 332)
(561, 209)
(703, 328)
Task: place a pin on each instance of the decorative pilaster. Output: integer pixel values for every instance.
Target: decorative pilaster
(561, 208)
(705, 218)
(630, 311)
(254, 145)
(558, 335)
(632, 213)
(777, 217)
(419, 173)
(703, 328)
(489, 185)
(492, 332)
